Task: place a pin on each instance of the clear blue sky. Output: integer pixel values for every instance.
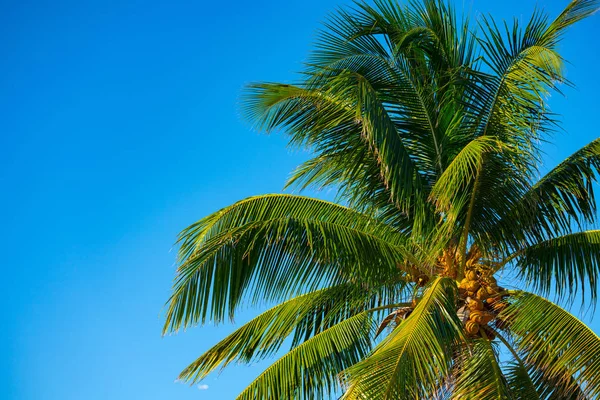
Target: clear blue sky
(118, 128)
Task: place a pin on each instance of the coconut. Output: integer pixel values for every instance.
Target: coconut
(482, 294)
(475, 305)
(473, 286)
(477, 316)
(472, 328)
(481, 317)
(472, 275)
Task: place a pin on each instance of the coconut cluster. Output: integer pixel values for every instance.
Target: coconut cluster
(482, 297)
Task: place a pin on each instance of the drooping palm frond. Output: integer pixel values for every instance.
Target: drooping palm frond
(560, 199)
(276, 245)
(564, 265)
(560, 386)
(411, 361)
(519, 382)
(301, 317)
(551, 340)
(357, 125)
(311, 369)
(479, 373)
(527, 381)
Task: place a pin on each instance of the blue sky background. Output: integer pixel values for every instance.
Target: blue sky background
(118, 128)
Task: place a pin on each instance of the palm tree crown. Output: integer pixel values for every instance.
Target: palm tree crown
(429, 127)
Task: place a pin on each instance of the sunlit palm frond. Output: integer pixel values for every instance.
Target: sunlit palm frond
(510, 104)
(563, 197)
(450, 187)
(410, 362)
(301, 317)
(565, 266)
(311, 369)
(480, 376)
(553, 341)
(276, 245)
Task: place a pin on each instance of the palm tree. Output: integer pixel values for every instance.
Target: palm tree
(430, 129)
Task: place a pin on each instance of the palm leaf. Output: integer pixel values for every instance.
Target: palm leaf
(563, 265)
(510, 104)
(564, 196)
(303, 316)
(480, 376)
(276, 246)
(411, 361)
(310, 370)
(519, 380)
(553, 341)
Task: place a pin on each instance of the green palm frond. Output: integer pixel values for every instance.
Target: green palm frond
(510, 103)
(276, 245)
(417, 354)
(527, 381)
(563, 265)
(480, 376)
(553, 341)
(343, 158)
(303, 317)
(560, 386)
(520, 384)
(453, 183)
(397, 167)
(345, 118)
(310, 370)
(564, 196)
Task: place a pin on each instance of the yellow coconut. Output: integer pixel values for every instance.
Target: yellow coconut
(477, 316)
(473, 286)
(472, 328)
(475, 305)
(482, 294)
(472, 275)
